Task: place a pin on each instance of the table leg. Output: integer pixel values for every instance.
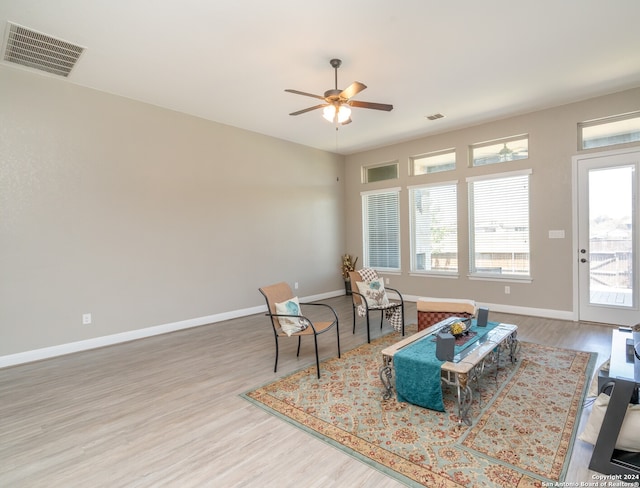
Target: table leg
(602, 458)
(386, 378)
(465, 397)
(514, 346)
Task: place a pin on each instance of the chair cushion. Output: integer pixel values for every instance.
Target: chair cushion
(374, 293)
(290, 325)
(628, 439)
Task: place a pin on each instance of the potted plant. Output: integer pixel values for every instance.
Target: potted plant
(348, 264)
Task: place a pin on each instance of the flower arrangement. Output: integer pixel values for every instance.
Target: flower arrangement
(460, 328)
(457, 328)
(348, 264)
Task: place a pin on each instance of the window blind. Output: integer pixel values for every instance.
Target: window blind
(499, 225)
(434, 228)
(381, 221)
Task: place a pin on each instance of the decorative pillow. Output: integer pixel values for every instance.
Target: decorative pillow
(628, 439)
(290, 325)
(374, 293)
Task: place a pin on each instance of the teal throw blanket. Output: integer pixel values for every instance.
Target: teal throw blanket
(418, 370)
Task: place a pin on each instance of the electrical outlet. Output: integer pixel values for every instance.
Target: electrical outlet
(295, 285)
(386, 281)
(507, 290)
(86, 319)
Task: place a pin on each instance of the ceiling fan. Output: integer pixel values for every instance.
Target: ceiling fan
(337, 102)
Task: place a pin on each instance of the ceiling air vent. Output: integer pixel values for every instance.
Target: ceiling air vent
(40, 51)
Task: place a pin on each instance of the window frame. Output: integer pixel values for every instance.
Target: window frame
(605, 121)
(413, 228)
(366, 236)
(496, 142)
(434, 154)
(368, 167)
(473, 273)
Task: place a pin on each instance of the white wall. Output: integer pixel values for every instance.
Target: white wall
(552, 143)
(151, 220)
(145, 217)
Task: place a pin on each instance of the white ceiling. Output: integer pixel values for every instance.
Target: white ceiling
(230, 60)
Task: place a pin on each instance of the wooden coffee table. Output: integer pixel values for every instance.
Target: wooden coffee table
(467, 365)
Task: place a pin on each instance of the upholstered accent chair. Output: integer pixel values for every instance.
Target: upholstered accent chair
(287, 320)
(365, 303)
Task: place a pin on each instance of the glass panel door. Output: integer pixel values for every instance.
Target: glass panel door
(610, 236)
(607, 225)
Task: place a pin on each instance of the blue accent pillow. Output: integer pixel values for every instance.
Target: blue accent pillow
(374, 293)
(290, 325)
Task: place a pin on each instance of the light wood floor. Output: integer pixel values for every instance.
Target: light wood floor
(165, 411)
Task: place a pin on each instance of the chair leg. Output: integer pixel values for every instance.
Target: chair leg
(368, 332)
(338, 337)
(275, 367)
(381, 318)
(299, 341)
(315, 339)
(354, 317)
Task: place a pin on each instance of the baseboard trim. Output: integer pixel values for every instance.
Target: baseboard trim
(516, 310)
(534, 312)
(110, 340)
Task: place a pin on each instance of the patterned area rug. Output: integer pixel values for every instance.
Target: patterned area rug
(525, 416)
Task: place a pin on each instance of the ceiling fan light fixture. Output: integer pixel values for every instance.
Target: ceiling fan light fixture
(344, 113)
(336, 113)
(338, 103)
(329, 113)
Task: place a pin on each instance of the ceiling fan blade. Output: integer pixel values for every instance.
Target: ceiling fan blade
(348, 121)
(297, 92)
(375, 106)
(352, 90)
(305, 110)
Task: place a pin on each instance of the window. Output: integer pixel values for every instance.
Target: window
(381, 229)
(499, 151)
(433, 162)
(499, 224)
(380, 172)
(434, 228)
(609, 131)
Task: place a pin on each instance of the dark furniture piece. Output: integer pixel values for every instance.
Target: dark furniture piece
(281, 292)
(357, 300)
(622, 382)
(433, 310)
